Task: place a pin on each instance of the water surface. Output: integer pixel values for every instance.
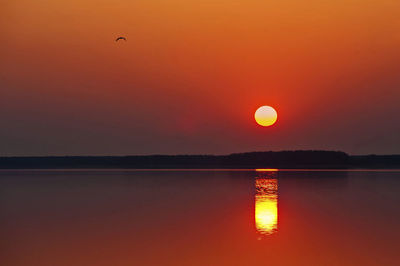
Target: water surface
(265, 217)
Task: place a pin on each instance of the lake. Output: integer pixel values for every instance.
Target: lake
(199, 217)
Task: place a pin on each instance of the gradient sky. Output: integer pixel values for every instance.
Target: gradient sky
(192, 74)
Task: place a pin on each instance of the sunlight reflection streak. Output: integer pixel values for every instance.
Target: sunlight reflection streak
(266, 204)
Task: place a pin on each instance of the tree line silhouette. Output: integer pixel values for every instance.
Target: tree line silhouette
(270, 159)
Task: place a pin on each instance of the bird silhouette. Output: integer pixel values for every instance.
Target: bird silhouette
(120, 38)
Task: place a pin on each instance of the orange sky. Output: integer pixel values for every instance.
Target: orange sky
(192, 73)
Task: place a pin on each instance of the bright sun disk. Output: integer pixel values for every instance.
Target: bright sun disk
(266, 116)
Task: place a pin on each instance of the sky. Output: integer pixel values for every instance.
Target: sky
(192, 73)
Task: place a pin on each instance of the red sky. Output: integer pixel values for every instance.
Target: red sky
(192, 73)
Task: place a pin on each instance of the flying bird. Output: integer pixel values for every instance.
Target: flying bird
(120, 38)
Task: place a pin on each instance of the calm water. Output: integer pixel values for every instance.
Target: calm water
(108, 218)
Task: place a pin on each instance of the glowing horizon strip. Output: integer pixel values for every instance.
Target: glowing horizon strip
(267, 170)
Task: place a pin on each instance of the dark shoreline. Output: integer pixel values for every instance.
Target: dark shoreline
(251, 160)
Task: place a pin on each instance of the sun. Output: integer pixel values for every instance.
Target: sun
(266, 116)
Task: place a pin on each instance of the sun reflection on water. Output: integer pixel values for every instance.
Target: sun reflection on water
(266, 203)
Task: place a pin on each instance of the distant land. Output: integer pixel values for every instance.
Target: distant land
(312, 159)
